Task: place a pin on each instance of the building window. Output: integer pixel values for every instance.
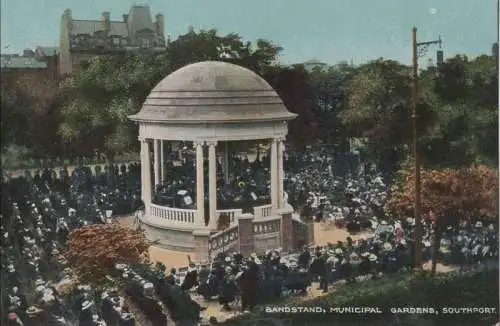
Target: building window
(116, 41)
(145, 43)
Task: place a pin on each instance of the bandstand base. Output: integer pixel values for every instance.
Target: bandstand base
(170, 239)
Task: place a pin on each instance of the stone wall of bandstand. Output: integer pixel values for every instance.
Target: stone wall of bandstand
(174, 229)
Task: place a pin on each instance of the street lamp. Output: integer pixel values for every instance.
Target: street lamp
(417, 206)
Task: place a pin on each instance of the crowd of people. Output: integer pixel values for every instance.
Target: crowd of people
(244, 187)
(39, 211)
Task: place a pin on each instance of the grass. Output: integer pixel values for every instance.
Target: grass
(397, 291)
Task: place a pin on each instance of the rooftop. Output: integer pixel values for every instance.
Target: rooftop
(19, 62)
(213, 91)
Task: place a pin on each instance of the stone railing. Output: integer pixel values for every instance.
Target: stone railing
(267, 226)
(262, 211)
(233, 213)
(226, 240)
(168, 216)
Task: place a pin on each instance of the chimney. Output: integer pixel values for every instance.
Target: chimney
(105, 22)
(125, 18)
(28, 53)
(67, 19)
(160, 25)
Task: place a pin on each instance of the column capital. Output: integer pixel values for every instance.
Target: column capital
(279, 139)
(197, 143)
(212, 143)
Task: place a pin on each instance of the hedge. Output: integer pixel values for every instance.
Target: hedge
(477, 290)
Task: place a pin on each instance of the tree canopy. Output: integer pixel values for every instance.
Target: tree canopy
(93, 251)
(448, 196)
(87, 112)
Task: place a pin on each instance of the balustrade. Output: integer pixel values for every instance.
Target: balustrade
(167, 215)
(223, 239)
(266, 227)
(262, 211)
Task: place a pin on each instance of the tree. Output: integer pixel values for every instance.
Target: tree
(451, 195)
(93, 251)
(29, 117)
(329, 99)
(207, 45)
(377, 108)
(465, 127)
(99, 99)
(294, 87)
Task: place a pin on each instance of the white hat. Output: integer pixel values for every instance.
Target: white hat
(383, 223)
(338, 251)
(479, 224)
(387, 246)
(365, 254)
(86, 304)
(372, 257)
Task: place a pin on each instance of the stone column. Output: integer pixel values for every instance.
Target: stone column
(201, 245)
(212, 184)
(281, 174)
(156, 156)
(226, 164)
(274, 174)
(162, 160)
(200, 185)
(245, 234)
(146, 173)
(287, 231)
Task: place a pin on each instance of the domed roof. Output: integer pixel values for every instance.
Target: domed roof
(213, 91)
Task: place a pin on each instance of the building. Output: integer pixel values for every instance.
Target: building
(40, 65)
(210, 104)
(82, 39)
(494, 50)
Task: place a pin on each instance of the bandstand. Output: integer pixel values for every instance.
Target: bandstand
(208, 104)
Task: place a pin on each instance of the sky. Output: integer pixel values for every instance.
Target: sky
(326, 30)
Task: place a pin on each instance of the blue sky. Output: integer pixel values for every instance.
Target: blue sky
(325, 30)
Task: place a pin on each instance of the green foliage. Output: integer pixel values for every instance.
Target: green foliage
(465, 128)
(98, 100)
(398, 291)
(457, 105)
(456, 109)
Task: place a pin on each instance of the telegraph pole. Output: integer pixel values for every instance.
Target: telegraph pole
(417, 256)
